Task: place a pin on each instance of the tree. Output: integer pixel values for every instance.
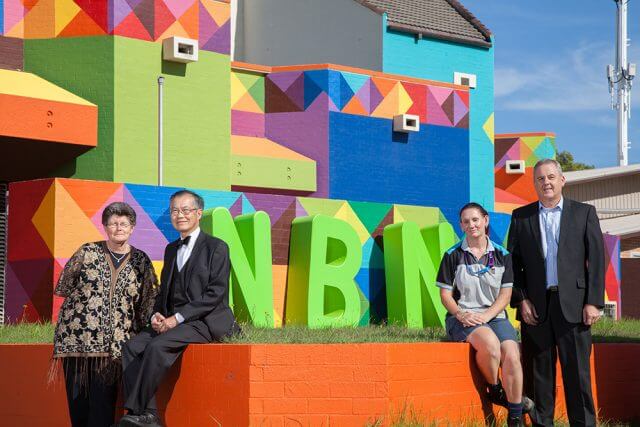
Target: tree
(567, 163)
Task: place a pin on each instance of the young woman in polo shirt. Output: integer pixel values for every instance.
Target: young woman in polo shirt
(475, 281)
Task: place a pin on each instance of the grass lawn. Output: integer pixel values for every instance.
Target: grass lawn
(625, 330)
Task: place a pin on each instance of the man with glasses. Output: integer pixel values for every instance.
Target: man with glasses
(192, 307)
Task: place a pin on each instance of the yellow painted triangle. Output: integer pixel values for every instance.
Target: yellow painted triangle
(72, 227)
(389, 105)
(44, 219)
(489, 129)
(247, 103)
(421, 215)
(404, 100)
(347, 214)
(174, 30)
(219, 11)
(237, 89)
(532, 141)
(39, 22)
(314, 206)
(17, 31)
(65, 11)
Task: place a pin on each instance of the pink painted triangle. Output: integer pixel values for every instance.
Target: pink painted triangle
(146, 235)
(439, 93)
(295, 92)
(273, 205)
(207, 25)
(300, 210)
(364, 95)
(435, 114)
(375, 97)
(178, 7)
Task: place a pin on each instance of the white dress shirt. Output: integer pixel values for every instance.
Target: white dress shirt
(184, 252)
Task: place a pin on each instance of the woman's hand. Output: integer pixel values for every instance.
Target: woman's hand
(471, 318)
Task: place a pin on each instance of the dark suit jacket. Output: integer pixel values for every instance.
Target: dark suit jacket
(580, 259)
(207, 285)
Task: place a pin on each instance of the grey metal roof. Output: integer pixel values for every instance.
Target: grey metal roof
(623, 226)
(443, 19)
(576, 177)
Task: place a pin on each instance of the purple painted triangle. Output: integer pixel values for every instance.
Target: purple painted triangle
(178, 7)
(296, 92)
(300, 210)
(207, 26)
(459, 109)
(284, 80)
(118, 12)
(375, 97)
(236, 208)
(364, 95)
(271, 204)
(220, 41)
(146, 236)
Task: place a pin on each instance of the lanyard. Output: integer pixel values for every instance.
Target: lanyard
(468, 262)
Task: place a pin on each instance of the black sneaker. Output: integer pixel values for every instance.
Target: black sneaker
(145, 420)
(497, 396)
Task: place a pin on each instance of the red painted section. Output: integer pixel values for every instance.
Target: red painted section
(332, 384)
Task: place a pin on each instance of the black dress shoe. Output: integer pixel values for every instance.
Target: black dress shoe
(145, 420)
(497, 395)
(515, 422)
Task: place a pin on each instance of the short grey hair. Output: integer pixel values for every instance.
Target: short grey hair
(543, 162)
(199, 201)
(119, 209)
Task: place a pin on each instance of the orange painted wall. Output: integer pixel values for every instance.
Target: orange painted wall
(332, 384)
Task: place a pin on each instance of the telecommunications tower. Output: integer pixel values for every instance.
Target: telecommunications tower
(620, 77)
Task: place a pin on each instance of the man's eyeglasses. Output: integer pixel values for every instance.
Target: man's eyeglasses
(183, 211)
(114, 225)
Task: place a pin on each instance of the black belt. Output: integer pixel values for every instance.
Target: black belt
(552, 289)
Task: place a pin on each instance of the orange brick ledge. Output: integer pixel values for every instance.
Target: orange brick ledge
(307, 385)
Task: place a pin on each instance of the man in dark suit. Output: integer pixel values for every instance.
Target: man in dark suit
(558, 262)
(192, 307)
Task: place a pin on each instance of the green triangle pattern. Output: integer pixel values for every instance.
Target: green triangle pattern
(370, 214)
(257, 93)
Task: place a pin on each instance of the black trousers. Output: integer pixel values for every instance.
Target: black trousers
(147, 357)
(91, 399)
(542, 345)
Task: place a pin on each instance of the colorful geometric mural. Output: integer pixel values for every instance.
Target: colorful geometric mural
(612, 278)
(207, 21)
(51, 218)
(369, 96)
(247, 103)
(515, 190)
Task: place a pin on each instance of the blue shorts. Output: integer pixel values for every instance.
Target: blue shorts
(503, 329)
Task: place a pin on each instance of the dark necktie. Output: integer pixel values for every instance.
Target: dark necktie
(184, 241)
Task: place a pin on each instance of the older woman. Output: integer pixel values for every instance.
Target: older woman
(475, 281)
(109, 289)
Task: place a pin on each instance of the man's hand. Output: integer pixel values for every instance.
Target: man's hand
(528, 312)
(590, 314)
(168, 323)
(156, 322)
(471, 318)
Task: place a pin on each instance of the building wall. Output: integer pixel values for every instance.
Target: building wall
(287, 32)
(11, 51)
(515, 190)
(630, 247)
(438, 60)
(120, 76)
(612, 193)
(196, 117)
(630, 289)
(85, 67)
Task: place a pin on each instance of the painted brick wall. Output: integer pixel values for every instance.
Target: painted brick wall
(630, 289)
(336, 385)
(11, 51)
(438, 60)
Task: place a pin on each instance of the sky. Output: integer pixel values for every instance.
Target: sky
(550, 72)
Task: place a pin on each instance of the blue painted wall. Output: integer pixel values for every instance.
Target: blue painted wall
(437, 60)
(370, 162)
(1, 17)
